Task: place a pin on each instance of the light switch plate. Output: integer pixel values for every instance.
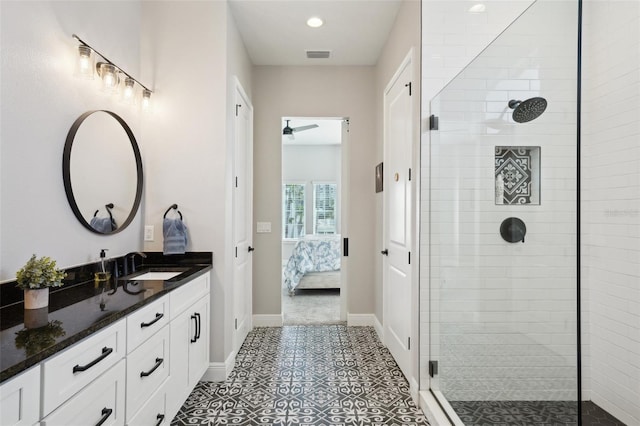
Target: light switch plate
(263, 227)
(148, 232)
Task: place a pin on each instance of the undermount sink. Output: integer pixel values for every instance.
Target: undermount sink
(154, 275)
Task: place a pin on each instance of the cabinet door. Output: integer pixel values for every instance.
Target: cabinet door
(189, 352)
(20, 399)
(182, 331)
(102, 402)
(199, 349)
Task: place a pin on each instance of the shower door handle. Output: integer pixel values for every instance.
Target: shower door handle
(385, 252)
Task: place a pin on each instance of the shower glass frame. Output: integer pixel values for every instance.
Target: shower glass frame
(504, 317)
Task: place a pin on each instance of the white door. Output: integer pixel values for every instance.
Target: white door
(242, 215)
(397, 192)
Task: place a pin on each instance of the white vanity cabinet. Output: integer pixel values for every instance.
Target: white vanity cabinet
(137, 371)
(189, 340)
(20, 399)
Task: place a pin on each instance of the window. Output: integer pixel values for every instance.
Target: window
(293, 210)
(324, 208)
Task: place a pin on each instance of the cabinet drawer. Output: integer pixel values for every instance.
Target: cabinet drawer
(147, 369)
(188, 294)
(101, 400)
(154, 411)
(71, 370)
(146, 321)
(20, 399)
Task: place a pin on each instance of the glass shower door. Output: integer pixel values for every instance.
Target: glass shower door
(503, 242)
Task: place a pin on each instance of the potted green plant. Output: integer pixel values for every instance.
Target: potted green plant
(35, 278)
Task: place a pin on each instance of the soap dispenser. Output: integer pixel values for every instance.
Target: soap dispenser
(102, 276)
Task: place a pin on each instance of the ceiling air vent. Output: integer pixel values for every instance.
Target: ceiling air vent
(318, 54)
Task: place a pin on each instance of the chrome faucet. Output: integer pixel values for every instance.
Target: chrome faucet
(131, 256)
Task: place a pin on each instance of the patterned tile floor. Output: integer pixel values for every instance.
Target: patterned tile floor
(306, 375)
(530, 413)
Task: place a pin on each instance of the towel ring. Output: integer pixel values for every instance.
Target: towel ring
(108, 207)
(175, 207)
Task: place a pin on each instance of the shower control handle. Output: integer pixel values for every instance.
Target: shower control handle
(385, 252)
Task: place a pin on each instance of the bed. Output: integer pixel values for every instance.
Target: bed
(314, 263)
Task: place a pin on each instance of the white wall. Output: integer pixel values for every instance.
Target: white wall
(187, 135)
(485, 292)
(611, 206)
(313, 92)
(312, 164)
(41, 99)
(452, 36)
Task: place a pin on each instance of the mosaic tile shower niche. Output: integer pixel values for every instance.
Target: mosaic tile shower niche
(517, 175)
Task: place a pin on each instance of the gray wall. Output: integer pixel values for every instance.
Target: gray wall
(314, 92)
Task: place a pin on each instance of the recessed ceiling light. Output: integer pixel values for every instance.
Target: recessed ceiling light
(315, 22)
(478, 8)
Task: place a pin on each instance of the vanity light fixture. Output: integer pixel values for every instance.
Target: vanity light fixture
(109, 72)
(315, 22)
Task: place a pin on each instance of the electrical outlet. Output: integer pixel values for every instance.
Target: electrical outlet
(148, 232)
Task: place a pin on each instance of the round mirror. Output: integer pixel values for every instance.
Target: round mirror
(102, 172)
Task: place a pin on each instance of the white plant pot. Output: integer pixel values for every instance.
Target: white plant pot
(36, 298)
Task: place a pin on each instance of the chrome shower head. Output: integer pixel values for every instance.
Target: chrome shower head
(524, 111)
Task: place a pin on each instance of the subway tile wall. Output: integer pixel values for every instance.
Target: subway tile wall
(503, 314)
(611, 206)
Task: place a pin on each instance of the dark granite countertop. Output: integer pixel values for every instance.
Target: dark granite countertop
(80, 308)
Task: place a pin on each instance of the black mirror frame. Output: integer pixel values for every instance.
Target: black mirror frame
(66, 171)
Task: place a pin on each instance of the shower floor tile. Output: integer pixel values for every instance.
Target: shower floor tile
(529, 413)
(593, 415)
(306, 375)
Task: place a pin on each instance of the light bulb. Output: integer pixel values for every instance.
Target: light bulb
(315, 22)
(109, 74)
(86, 63)
(129, 90)
(146, 99)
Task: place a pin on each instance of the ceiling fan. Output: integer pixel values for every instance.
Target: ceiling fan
(291, 130)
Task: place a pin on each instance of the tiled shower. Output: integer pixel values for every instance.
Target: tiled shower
(500, 213)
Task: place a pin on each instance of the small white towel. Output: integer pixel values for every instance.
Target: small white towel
(175, 236)
(104, 225)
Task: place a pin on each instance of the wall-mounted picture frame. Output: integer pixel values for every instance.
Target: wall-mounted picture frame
(379, 182)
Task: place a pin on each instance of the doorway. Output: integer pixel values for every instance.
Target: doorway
(312, 220)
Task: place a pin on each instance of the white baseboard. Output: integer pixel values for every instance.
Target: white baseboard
(360, 320)
(414, 390)
(219, 371)
(365, 320)
(378, 328)
(267, 320)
